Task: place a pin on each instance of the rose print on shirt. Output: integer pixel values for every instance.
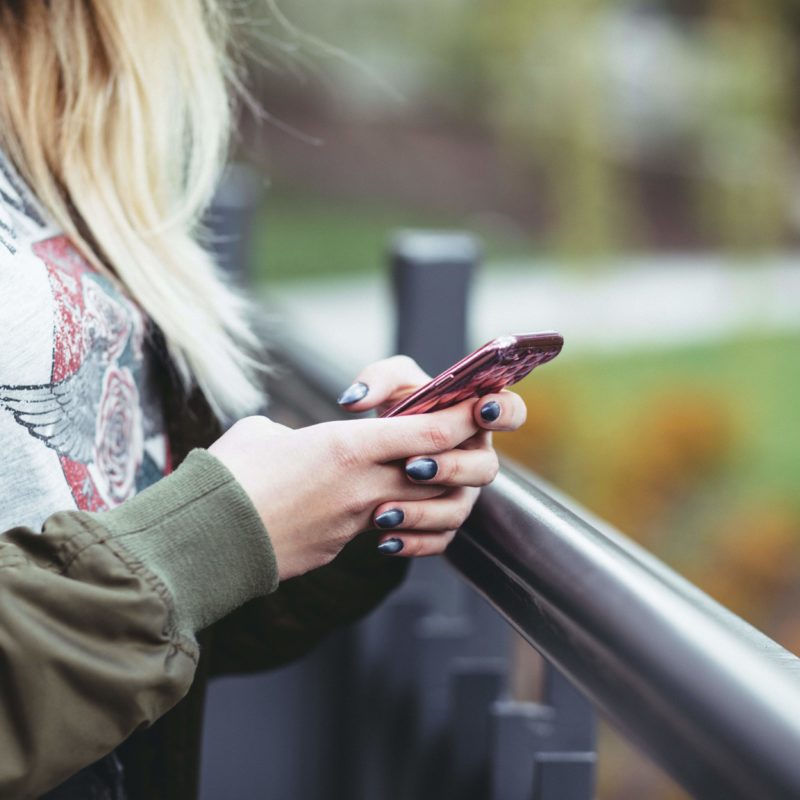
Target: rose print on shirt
(90, 411)
(119, 441)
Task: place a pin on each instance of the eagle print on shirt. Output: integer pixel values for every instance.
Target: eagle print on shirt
(90, 412)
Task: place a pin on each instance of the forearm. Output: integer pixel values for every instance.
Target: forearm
(98, 615)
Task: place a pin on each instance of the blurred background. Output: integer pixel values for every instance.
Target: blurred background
(633, 171)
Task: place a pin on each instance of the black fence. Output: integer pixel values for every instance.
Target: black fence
(415, 702)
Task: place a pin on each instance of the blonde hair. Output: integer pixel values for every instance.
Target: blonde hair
(117, 113)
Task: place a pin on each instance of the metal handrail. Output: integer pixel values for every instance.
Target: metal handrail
(715, 702)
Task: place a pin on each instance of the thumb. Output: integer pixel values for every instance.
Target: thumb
(383, 382)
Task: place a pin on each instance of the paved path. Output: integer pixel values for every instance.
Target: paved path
(642, 305)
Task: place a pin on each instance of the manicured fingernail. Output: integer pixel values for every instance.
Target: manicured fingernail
(390, 519)
(352, 394)
(491, 411)
(422, 469)
(390, 546)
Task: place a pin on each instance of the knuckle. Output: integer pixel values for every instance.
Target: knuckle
(415, 516)
(353, 505)
(436, 437)
(492, 468)
(522, 414)
(414, 547)
(456, 519)
(402, 361)
(343, 452)
(356, 501)
(450, 470)
(448, 537)
(327, 556)
(466, 505)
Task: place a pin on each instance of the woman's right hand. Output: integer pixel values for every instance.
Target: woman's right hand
(315, 488)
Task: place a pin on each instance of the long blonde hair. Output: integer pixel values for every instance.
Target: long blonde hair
(117, 113)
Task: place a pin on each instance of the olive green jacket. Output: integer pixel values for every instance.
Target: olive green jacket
(99, 616)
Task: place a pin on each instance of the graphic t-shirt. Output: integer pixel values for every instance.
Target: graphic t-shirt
(81, 424)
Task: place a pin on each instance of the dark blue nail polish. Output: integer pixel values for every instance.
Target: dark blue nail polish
(422, 469)
(390, 519)
(390, 546)
(352, 394)
(491, 411)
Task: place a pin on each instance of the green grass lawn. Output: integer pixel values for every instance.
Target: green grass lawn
(299, 237)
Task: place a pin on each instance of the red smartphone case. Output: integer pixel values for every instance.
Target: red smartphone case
(499, 363)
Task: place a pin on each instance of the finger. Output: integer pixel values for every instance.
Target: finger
(416, 545)
(382, 381)
(472, 467)
(443, 514)
(391, 482)
(480, 440)
(504, 411)
(395, 438)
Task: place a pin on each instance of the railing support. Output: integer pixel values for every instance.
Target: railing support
(432, 275)
(544, 751)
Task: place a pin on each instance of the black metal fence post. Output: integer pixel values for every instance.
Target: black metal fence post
(432, 275)
(544, 751)
(460, 653)
(475, 685)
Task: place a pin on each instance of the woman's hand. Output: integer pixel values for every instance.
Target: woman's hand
(426, 526)
(317, 487)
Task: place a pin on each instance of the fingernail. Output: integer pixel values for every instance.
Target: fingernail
(390, 519)
(390, 546)
(491, 411)
(352, 394)
(422, 469)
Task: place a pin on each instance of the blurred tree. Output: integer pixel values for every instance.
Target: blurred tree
(598, 90)
(595, 101)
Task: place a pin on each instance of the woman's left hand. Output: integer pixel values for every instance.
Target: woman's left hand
(459, 473)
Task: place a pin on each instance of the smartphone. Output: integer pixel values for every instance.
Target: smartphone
(499, 363)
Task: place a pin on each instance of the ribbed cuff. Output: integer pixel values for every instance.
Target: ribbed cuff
(198, 531)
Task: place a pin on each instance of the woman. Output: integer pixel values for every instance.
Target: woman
(121, 349)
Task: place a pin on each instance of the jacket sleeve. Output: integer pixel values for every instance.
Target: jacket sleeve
(270, 631)
(98, 614)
